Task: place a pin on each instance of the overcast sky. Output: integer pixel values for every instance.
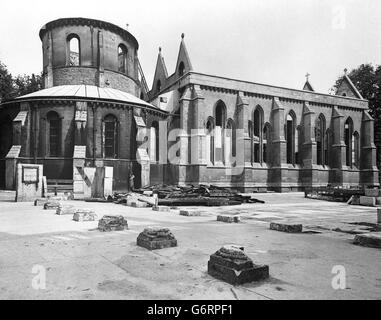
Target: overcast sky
(266, 41)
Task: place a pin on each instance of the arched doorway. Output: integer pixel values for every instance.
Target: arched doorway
(6, 138)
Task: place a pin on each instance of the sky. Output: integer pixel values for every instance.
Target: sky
(265, 41)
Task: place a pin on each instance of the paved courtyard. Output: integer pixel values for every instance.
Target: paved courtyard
(84, 263)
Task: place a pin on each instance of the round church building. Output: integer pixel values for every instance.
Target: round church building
(87, 117)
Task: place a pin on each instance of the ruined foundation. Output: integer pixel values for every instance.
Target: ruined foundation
(232, 265)
(51, 205)
(81, 215)
(228, 219)
(153, 238)
(285, 227)
(112, 223)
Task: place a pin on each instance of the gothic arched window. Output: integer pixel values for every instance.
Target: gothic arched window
(348, 139)
(54, 133)
(122, 58)
(74, 50)
(290, 137)
(219, 131)
(210, 141)
(110, 136)
(155, 152)
(231, 147)
(327, 145)
(266, 144)
(257, 131)
(320, 140)
(356, 149)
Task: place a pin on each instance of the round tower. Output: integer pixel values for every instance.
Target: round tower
(91, 52)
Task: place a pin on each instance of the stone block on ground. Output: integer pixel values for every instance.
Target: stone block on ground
(81, 215)
(228, 218)
(286, 227)
(40, 202)
(378, 215)
(232, 265)
(190, 213)
(368, 201)
(153, 238)
(137, 197)
(139, 204)
(51, 205)
(160, 208)
(65, 209)
(372, 193)
(58, 198)
(368, 240)
(112, 223)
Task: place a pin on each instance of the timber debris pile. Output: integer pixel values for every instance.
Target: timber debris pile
(166, 195)
(334, 193)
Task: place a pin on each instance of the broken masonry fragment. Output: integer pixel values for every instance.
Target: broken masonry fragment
(112, 223)
(84, 215)
(285, 227)
(153, 238)
(51, 205)
(368, 240)
(190, 213)
(160, 208)
(232, 265)
(65, 209)
(228, 218)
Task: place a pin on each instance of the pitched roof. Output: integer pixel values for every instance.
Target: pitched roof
(347, 83)
(308, 86)
(87, 92)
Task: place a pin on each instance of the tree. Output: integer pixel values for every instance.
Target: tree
(27, 84)
(21, 85)
(6, 83)
(367, 80)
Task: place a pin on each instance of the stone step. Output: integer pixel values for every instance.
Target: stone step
(228, 218)
(286, 227)
(368, 240)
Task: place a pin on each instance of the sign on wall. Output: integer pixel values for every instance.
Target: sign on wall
(30, 175)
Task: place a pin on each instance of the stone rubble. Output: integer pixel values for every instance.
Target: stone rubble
(51, 205)
(81, 215)
(153, 238)
(232, 265)
(112, 223)
(65, 209)
(286, 227)
(228, 218)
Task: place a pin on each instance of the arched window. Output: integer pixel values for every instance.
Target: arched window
(266, 143)
(356, 149)
(158, 86)
(290, 137)
(155, 152)
(257, 131)
(348, 139)
(327, 146)
(110, 136)
(122, 58)
(320, 140)
(230, 142)
(210, 141)
(181, 69)
(54, 123)
(219, 131)
(74, 50)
